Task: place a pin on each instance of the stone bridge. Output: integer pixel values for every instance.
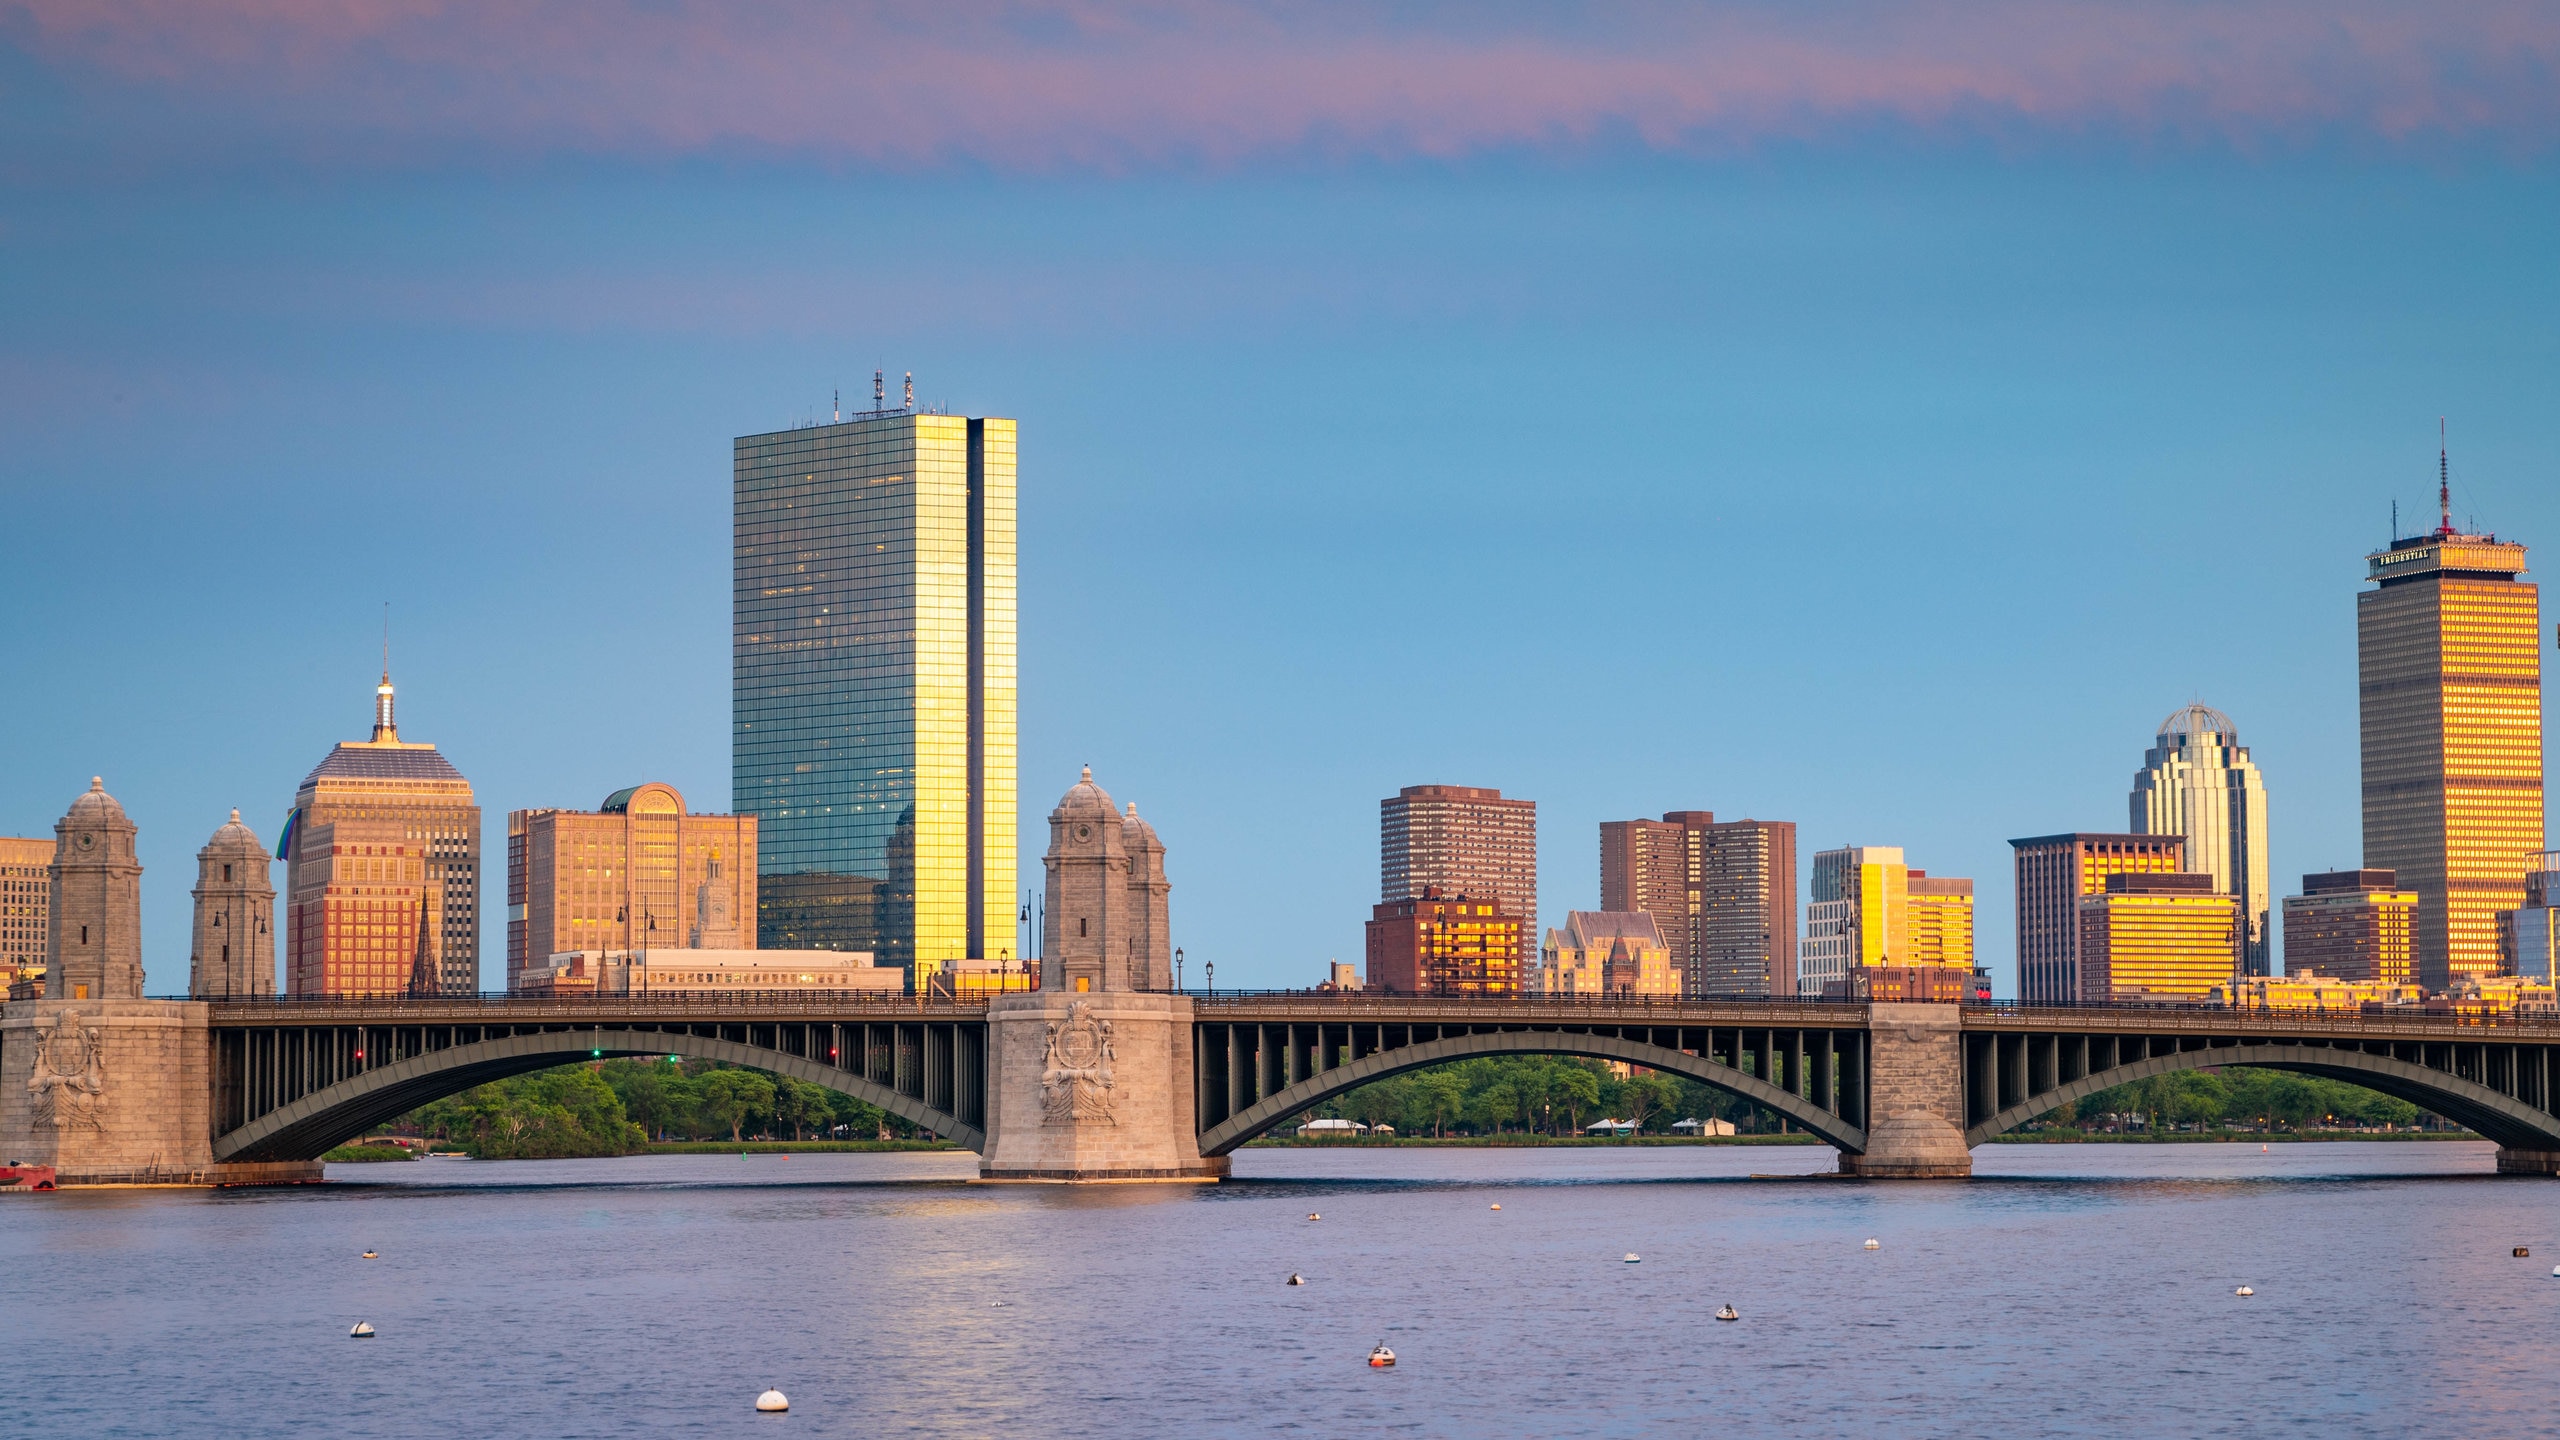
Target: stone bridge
(1148, 1086)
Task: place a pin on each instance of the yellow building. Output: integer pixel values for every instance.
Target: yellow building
(26, 901)
(2158, 937)
(2309, 990)
(1939, 924)
(711, 972)
(1871, 909)
(1608, 952)
(639, 872)
(2449, 664)
(2352, 925)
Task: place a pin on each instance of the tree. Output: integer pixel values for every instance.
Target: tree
(799, 1105)
(1441, 1095)
(730, 1096)
(1646, 1094)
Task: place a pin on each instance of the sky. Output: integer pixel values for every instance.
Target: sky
(1871, 416)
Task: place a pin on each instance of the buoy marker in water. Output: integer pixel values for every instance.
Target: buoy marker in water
(1497, 1207)
(2523, 1250)
(1728, 1313)
(2244, 1292)
(362, 1330)
(1381, 1357)
(1633, 1258)
(773, 1402)
(369, 1255)
(1875, 1244)
(1297, 1279)
(1313, 1215)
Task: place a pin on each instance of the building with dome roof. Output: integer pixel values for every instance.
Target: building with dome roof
(638, 872)
(386, 803)
(2197, 781)
(235, 941)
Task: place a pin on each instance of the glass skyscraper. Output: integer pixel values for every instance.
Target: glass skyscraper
(872, 691)
(2197, 780)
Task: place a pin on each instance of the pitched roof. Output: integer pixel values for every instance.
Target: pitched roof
(359, 760)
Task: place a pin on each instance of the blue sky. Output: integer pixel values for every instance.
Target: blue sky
(1882, 457)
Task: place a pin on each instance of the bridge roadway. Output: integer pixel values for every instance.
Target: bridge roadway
(292, 1077)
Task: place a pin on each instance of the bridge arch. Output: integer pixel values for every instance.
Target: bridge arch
(2502, 1118)
(1316, 1089)
(309, 1127)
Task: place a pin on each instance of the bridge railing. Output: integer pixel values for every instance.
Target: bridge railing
(284, 1009)
(2151, 1014)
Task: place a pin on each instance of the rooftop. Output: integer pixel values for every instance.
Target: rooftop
(365, 760)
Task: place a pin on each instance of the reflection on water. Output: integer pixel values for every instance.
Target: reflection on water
(2081, 1288)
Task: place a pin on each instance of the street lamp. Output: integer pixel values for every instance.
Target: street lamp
(1210, 967)
(1177, 969)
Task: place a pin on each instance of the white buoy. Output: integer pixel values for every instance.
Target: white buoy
(1497, 1207)
(1728, 1313)
(1297, 1279)
(1313, 1215)
(363, 1331)
(2244, 1292)
(1875, 1244)
(1632, 1257)
(2555, 1270)
(772, 1402)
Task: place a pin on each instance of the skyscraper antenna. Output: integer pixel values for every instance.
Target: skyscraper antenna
(386, 639)
(911, 389)
(2444, 482)
(879, 390)
(839, 406)
(2395, 519)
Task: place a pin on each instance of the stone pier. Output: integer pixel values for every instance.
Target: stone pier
(2512, 1161)
(117, 1092)
(1092, 1087)
(1915, 1096)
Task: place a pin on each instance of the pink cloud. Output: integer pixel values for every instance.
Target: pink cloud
(1034, 86)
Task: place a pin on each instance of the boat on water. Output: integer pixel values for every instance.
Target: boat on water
(1381, 1357)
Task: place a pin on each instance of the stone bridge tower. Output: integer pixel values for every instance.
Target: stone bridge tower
(235, 941)
(96, 937)
(1090, 1078)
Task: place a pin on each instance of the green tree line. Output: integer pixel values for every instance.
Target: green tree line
(616, 1107)
(1558, 1095)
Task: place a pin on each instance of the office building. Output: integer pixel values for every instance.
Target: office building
(362, 915)
(1722, 893)
(1608, 952)
(235, 937)
(2158, 937)
(1870, 911)
(2053, 873)
(26, 902)
(638, 873)
(2352, 925)
(2530, 934)
(93, 943)
(2309, 990)
(415, 791)
(2449, 671)
(1939, 929)
(1462, 840)
(873, 685)
(1442, 944)
(2198, 782)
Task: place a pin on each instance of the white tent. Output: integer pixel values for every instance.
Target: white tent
(1333, 1127)
(1610, 1127)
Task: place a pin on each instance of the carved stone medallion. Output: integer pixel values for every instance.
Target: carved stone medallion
(1075, 1084)
(68, 1089)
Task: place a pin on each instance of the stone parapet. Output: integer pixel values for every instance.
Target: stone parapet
(2528, 1162)
(1092, 1087)
(1915, 1094)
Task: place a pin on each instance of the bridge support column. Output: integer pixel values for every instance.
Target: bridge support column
(1092, 1087)
(2512, 1161)
(1915, 1096)
(116, 1092)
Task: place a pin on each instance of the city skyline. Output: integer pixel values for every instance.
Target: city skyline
(1833, 445)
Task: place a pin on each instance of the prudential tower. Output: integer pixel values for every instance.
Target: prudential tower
(2197, 781)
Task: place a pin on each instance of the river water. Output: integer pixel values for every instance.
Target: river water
(2068, 1289)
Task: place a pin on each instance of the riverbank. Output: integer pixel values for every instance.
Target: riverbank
(789, 1147)
(2220, 1137)
(2040, 1137)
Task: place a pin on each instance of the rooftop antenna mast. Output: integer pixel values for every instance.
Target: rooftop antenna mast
(839, 407)
(2444, 482)
(911, 389)
(879, 390)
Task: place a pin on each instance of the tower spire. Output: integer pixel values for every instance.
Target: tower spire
(384, 728)
(2444, 483)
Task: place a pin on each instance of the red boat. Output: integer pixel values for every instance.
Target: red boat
(26, 1177)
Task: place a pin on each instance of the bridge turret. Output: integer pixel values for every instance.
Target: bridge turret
(1085, 938)
(235, 949)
